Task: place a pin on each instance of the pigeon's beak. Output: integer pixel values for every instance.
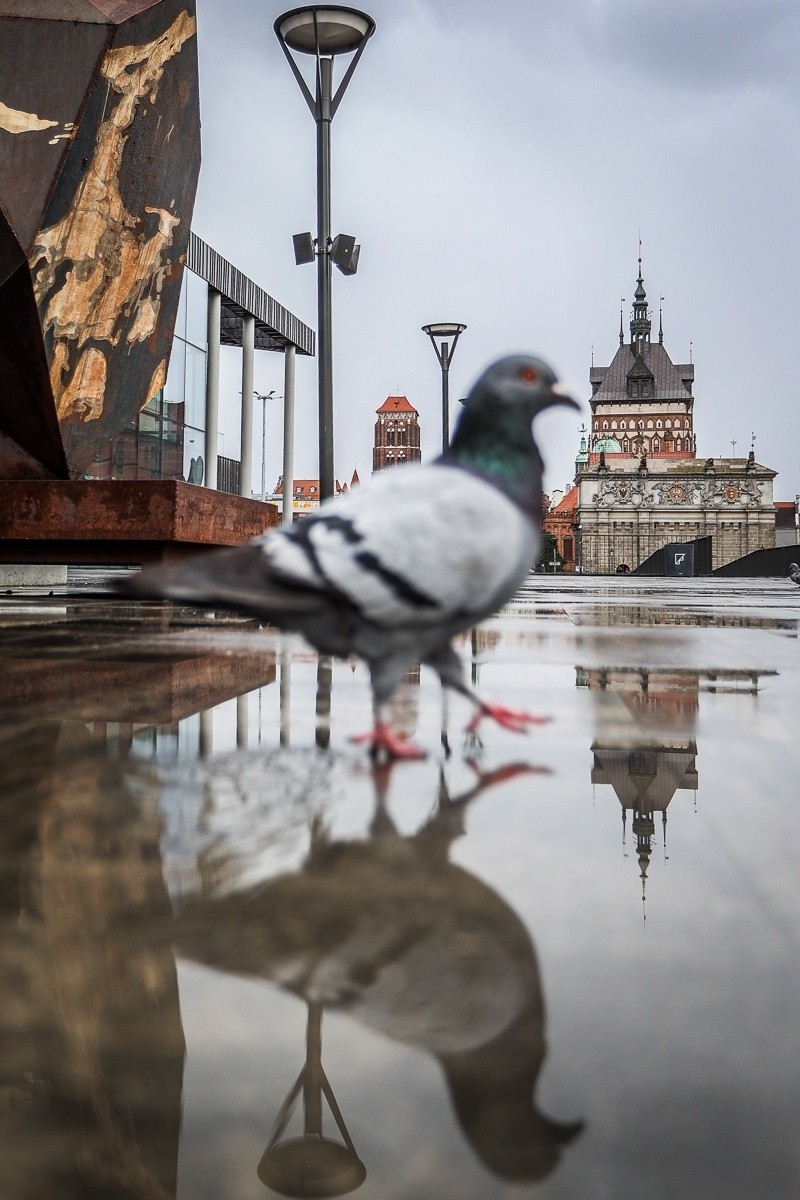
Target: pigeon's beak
(558, 395)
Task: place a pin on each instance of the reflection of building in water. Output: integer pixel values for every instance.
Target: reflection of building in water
(644, 746)
(650, 755)
(91, 1046)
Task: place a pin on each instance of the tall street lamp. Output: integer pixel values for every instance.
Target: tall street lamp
(324, 31)
(444, 337)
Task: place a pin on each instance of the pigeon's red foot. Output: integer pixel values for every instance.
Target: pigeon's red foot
(384, 744)
(509, 718)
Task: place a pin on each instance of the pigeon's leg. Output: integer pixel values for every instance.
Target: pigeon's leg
(450, 670)
(384, 744)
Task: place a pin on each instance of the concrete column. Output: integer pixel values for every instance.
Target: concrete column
(290, 355)
(212, 387)
(248, 364)
(242, 721)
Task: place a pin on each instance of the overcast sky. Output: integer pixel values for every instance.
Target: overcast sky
(497, 162)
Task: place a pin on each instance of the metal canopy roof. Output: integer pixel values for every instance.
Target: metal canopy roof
(276, 327)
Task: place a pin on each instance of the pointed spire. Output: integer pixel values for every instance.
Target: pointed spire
(640, 321)
(660, 321)
(621, 330)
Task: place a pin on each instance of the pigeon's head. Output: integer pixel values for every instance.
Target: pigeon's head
(494, 435)
(519, 385)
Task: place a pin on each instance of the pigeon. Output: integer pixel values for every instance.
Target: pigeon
(794, 573)
(392, 571)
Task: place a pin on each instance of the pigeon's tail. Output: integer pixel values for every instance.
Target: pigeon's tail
(238, 579)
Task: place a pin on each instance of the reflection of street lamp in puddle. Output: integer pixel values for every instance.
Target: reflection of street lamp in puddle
(311, 1165)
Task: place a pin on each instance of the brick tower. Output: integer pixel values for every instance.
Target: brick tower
(396, 434)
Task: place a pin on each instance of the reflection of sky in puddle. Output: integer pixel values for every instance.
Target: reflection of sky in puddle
(479, 956)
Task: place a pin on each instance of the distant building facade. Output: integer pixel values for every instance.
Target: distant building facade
(640, 483)
(397, 434)
(306, 495)
(559, 521)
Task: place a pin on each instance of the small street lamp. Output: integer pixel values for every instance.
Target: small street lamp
(444, 337)
(324, 31)
(264, 399)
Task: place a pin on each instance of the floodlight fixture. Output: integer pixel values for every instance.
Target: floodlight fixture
(343, 253)
(324, 30)
(444, 335)
(305, 250)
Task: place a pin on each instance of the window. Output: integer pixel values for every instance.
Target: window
(623, 425)
(658, 424)
(656, 445)
(649, 424)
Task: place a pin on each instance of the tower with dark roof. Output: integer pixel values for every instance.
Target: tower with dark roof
(397, 434)
(642, 403)
(641, 486)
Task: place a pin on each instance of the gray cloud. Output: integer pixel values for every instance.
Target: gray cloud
(497, 163)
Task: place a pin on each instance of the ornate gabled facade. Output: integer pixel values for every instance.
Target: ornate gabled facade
(641, 485)
(397, 436)
(642, 403)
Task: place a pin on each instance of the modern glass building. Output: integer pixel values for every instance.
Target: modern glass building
(175, 435)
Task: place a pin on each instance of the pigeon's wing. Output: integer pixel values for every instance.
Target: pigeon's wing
(418, 545)
(238, 578)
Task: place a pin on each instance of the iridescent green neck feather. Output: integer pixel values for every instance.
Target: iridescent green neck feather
(496, 442)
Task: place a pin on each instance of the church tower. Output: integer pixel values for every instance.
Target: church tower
(642, 404)
(397, 434)
(641, 487)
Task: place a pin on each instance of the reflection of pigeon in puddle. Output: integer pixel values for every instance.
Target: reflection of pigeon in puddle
(393, 933)
(794, 573)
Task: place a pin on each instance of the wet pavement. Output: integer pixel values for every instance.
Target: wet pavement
(236, 961)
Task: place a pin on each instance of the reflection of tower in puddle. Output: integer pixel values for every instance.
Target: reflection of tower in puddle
(312, 1164)
(645, 749)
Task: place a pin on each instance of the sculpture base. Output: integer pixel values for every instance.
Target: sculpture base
(122, 522)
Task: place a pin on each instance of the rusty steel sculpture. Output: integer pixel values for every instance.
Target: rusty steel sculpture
(99, 159)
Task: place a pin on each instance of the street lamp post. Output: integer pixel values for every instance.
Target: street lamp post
(444, 337)
(324, 31)
(264, 398)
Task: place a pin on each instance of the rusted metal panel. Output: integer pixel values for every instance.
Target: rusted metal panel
(110, 156)
(121, 521)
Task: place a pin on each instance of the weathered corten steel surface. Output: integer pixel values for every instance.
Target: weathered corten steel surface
(156, 691)
(99, 159)
(121, 521)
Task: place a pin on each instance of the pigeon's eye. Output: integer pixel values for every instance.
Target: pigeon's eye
(529, 375)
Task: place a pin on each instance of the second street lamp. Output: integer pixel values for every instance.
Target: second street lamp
(444, 335)
(324, 31)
